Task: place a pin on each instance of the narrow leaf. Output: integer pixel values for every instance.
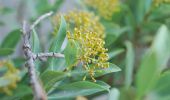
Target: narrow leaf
(35, 42)
(115, 53)
(58, 41)
(60, 36)
(129, 64)
(70, 53)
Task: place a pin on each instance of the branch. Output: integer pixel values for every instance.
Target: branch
(38, 91)
(41, 18)
(46, 55)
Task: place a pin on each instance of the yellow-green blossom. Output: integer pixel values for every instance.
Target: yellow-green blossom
(10, 77)
(83, 21)
(92, 52)
(106, 8)
(88, 32)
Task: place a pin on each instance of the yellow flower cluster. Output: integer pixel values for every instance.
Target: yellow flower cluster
(84, 21)
(9, 78)
(92, 52)
(106, 8)
(88, 32)
(158, 2)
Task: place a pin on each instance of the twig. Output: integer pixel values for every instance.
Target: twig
(38, 91)
(41, 18)
(46, 55)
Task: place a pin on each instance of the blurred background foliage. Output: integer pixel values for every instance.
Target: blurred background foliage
(136, 34)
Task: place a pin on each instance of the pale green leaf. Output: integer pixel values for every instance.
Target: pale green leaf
(130, 57)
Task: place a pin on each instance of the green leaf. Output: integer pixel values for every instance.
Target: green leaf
(18, 62)
(161, 88)
(153, 62)
(57, 5)
(129, 19)
(98, 72)
(42, 6)
(58, 41)
(115, 53)
(60, 36)
(5, 10)
(112, 68)
(78, 88)
(18, 93)
(70, 53)
(161, 45)
(11, 39)
(114, 94)
(49, 78)
(130, 57)
(113, 32)
(159, 14)
(143, 9)
(35, 42)
(6, 51)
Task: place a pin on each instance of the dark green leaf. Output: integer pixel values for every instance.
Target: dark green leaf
(78, 88)
(12, 39)
(6, 51)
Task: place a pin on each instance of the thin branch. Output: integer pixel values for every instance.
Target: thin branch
(41, 18)
(46, 55)
(38, 91)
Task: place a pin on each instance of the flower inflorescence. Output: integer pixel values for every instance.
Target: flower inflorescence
(105, 8)
(84, 21)
(88, 32)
